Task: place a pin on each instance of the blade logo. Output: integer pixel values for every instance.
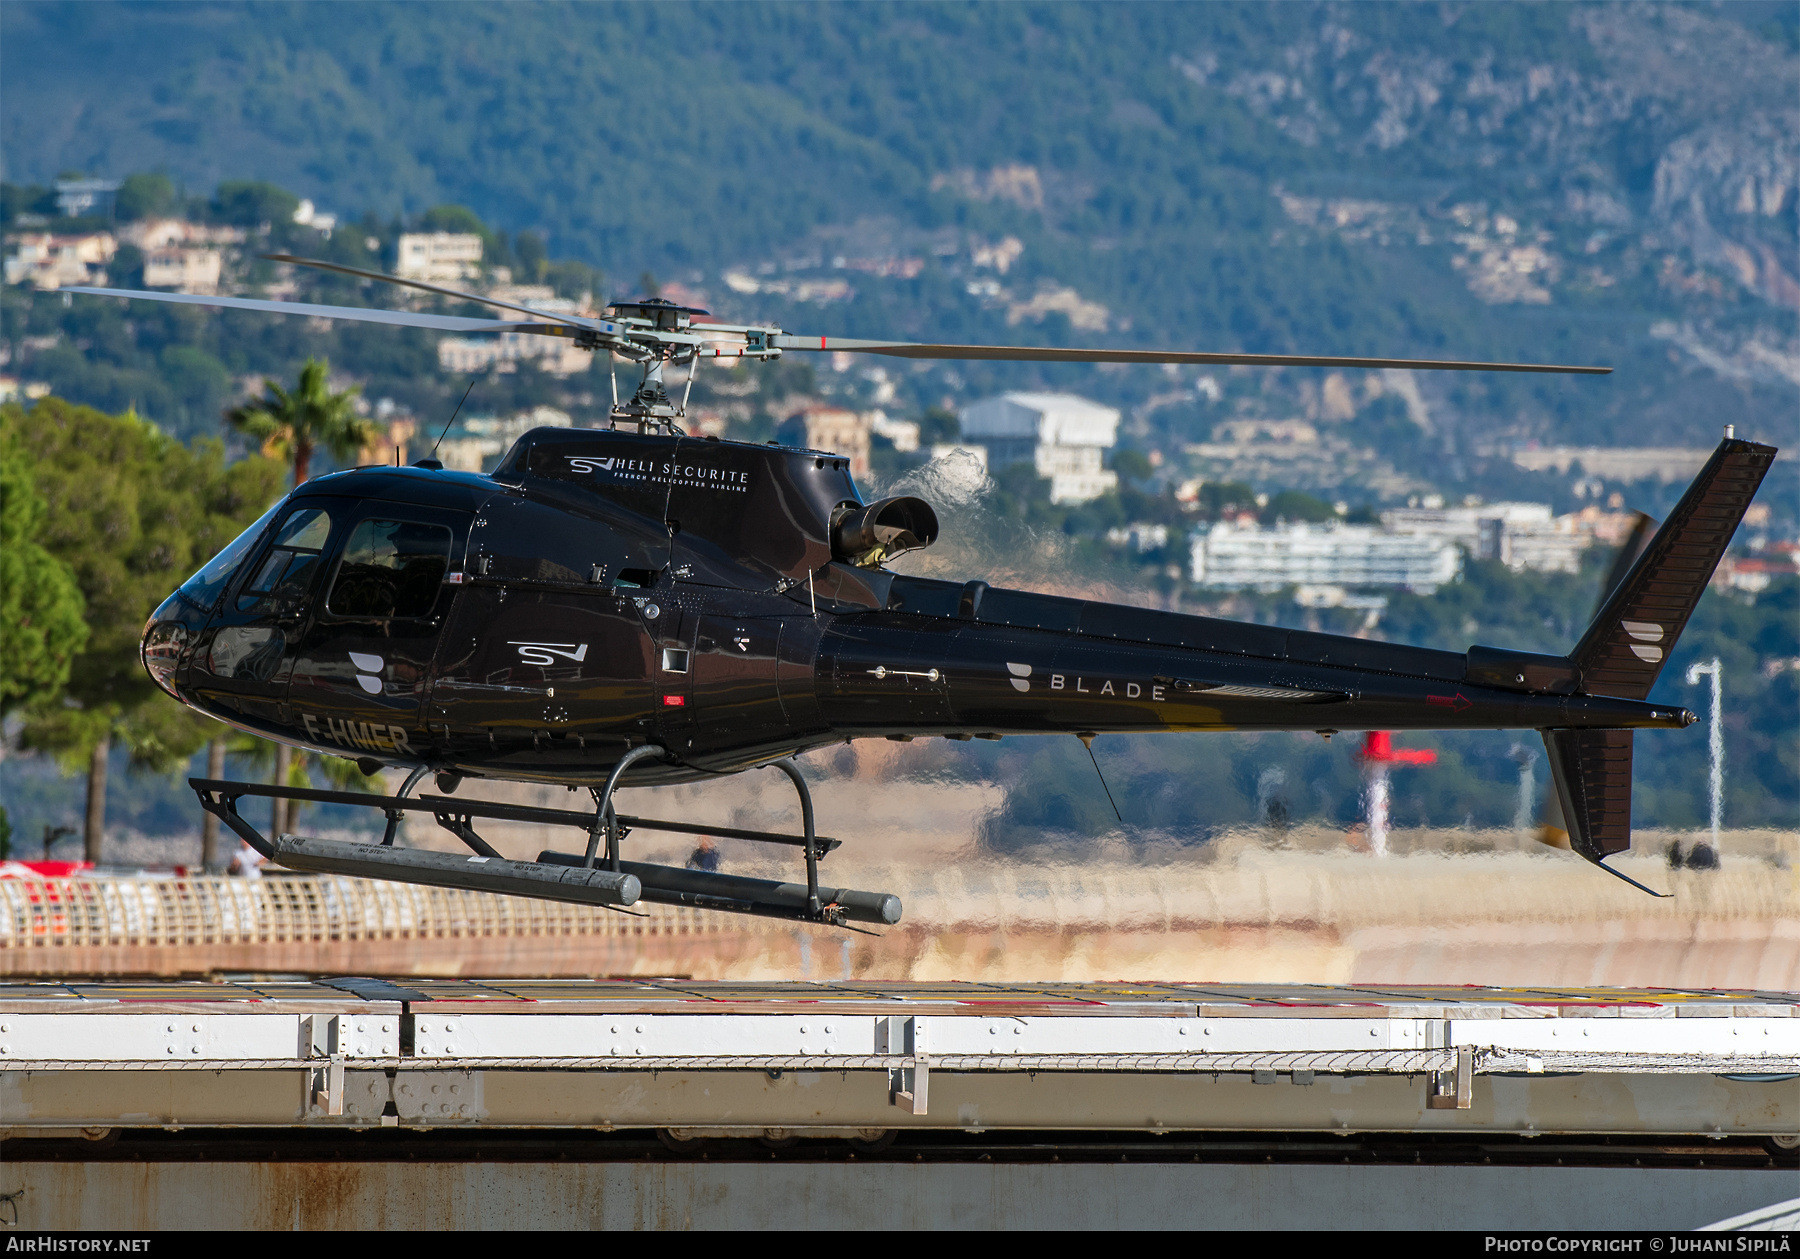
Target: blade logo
(365, 666)
(1020, 672)
(591, 465)
(546, 653)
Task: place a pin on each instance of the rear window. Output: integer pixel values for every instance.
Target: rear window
(391, 568)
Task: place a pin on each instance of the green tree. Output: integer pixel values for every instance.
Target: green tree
(41, 609)
(1297, 505)
(131, 512)
(938, 424)
(1132, 465)
(292, 425)
(251, 203)
(459, 218)
(146, 196)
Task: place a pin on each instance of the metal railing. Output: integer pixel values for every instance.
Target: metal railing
(1336, 892)
(56, 913)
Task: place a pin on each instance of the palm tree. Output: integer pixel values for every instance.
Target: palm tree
(293, 425)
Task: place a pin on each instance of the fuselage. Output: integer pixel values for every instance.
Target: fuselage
(604, 590)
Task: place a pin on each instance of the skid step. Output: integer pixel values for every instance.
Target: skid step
(445, 869)
(670, 885)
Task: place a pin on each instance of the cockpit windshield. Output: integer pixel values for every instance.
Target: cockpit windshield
(202, 589)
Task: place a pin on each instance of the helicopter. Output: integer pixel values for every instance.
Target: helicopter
(632, 605)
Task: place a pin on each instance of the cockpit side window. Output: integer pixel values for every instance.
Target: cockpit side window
(288, 569)
(203, 587)
(391, 568)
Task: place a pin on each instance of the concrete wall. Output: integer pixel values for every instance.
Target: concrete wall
(776, 1195)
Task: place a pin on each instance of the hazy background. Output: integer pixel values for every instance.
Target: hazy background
(1573, 183)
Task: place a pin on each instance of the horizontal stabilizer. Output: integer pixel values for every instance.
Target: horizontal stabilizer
(1632, 635)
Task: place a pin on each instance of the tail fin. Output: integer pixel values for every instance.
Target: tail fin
(1555, 828)
(1635, 544)
(1636, 627)
(1592, 773)
(1624, 649)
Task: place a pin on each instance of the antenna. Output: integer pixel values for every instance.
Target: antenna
(1087, 741)
(451, 420)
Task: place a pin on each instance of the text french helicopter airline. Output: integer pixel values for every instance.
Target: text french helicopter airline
(633, 605)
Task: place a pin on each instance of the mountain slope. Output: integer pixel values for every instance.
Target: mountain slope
(1577, 183)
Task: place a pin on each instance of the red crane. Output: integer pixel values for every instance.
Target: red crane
(1379, 755)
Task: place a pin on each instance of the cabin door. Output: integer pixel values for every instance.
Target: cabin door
(247, 657)
(362, 672)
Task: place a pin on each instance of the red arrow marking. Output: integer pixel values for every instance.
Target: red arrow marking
(1456, 703)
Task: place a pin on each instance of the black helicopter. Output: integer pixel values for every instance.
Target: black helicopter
(632, 605)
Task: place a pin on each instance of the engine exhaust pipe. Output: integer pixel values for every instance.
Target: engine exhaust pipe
(882, 529)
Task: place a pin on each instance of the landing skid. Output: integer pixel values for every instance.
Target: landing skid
(593, 877)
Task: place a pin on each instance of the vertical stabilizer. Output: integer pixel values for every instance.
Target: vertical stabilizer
(1632, 635)
(1592, 773)
(1624, 649)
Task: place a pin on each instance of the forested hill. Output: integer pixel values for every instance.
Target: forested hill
(1575, 183)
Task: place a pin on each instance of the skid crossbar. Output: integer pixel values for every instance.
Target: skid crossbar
(551, 877)
(447, 807)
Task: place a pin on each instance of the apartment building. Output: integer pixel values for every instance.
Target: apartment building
(1063, 436)
(1229, 556)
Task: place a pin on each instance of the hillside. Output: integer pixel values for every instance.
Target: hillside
(1576, 183)
(1568, 183)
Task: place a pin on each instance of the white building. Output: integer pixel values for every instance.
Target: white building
(1661, 463)
(149, 234)
(1549, 546)
(75, 197)
(1466, 526)
(181, 255)
(438, 257)
(476, 445)
(1520, 535)
(1139, 536)
(180, 267)
(904, 434)
(1230, 557)
(840, 431)
(504, 351)
(1063, 436)
(48, 261)
(306, 214)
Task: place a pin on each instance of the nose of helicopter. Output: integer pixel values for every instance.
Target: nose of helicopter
(165, 638)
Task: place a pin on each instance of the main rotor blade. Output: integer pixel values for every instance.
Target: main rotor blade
(1032, 354)
(422, 286)
(405, 318)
